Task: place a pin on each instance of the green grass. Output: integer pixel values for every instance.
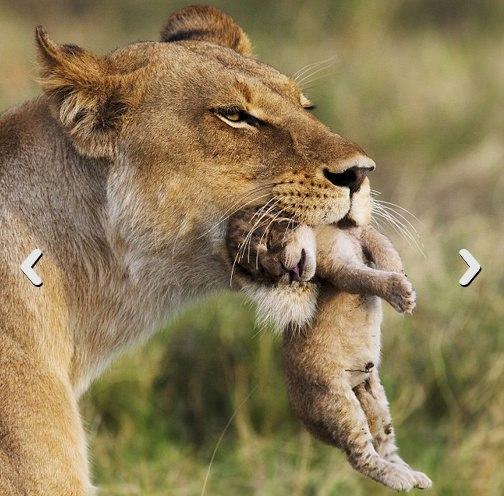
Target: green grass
(419, 84)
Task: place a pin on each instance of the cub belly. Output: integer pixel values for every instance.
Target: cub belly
(343, 340)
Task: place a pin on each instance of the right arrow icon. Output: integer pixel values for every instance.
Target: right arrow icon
(473, 270)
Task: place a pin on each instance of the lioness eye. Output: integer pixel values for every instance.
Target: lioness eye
(237, 117)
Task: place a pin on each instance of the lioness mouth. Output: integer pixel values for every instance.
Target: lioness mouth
(346, 222)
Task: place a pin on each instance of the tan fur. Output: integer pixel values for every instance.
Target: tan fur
(332, 367)
(332, 364)
(123, 173)
(207, 24)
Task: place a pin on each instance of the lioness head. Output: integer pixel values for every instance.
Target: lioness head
(193, 127)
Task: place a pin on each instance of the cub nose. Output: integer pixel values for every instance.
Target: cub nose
(352, 177)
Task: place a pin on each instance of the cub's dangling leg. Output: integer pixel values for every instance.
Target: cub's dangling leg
(372, 397)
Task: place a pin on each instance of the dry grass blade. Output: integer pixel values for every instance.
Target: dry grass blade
(221, 437)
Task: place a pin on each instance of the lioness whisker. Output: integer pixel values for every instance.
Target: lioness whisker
(299, 73)
(305, 68)
(386, 216)
(275, 218)
(313, 70)
(375, 222)
(248, 242)
(242, 245)
(309, 83)
(400, 207)
(232, 269)
(309, 77)
(291, 221)
(254, 228)
(258, 189)
(387, 206)
(228, 214)
(391, 224)
(314, 84)
(415, 237)
(261, 211)
(394, 212)
(240, 253)
(398, 226)
(391, 218)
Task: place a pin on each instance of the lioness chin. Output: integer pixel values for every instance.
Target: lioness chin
(124, 172)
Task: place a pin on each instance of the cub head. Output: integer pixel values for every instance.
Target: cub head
(194, 128)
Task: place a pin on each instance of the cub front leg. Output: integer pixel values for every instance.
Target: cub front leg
(380, 250)
(349, 273)
(391, 286)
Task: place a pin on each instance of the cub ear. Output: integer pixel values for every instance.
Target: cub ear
(206, 24)
(88, 99)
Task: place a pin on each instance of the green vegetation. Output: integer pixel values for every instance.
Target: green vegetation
(420, 85)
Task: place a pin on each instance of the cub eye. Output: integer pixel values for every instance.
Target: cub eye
(236, 117)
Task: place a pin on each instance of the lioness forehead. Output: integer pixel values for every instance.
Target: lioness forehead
(202, 58)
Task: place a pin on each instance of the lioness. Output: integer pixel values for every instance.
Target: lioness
(123, 172)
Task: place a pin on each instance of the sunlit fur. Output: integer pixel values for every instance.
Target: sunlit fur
(332, 367)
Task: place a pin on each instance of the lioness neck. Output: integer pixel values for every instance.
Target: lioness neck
(101, 292)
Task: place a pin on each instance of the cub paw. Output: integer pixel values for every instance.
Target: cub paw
(398, 477)
(421, 480)
(400, 293)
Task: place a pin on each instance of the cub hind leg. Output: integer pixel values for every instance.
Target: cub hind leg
(373, 400)
(339, 419)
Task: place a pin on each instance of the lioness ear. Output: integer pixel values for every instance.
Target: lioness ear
(84, 94)
(206, 24)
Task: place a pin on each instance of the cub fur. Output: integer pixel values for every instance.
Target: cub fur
(332, 366)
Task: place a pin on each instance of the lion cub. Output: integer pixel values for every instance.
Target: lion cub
(332, 366)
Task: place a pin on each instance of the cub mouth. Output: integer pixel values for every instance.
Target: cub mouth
(289, 276)
(296, 273)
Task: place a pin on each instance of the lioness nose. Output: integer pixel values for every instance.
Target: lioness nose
(353, 176)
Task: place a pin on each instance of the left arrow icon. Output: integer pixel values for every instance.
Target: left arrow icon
(27, 267)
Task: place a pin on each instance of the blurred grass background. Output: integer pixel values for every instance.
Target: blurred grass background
(420, 85)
